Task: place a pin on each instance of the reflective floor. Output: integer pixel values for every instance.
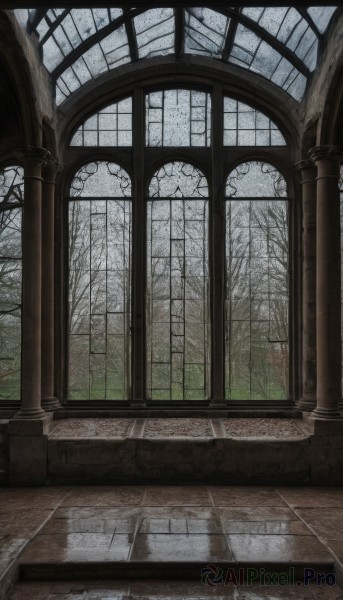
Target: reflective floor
(156, 531)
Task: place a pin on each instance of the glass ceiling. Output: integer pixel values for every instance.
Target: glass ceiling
(279, 43)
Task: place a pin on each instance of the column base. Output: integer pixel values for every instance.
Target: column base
(327, 425)
(50, 403)
(327, 413)
(30, 413)
(306, 405)
(28, 449)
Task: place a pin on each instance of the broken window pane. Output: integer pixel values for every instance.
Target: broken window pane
(11, 203)
(100, 227)
(178, 337)
(245, 126)
(257, 284)
(111, 126)
(178, 118)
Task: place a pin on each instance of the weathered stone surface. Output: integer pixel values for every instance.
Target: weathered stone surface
(92, 428)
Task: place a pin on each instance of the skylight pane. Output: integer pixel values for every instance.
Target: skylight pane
(111, 126)
(321, 16)
(205, 32)
(155, 30)
(245, 126)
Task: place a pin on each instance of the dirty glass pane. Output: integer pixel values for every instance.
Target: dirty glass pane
(155, 32)
(205, 31)
(74, 27)
(245, 126)
(110, 53)
(111, 126)
(11, 203)
(100, 227)
(178, 322)
(251, 52)
(178, 118)
(290, 28)
(257, 284)
(321, 16)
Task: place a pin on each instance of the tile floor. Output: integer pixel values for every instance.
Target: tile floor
(159, 526)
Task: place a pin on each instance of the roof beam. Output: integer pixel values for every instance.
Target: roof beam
(13, 4)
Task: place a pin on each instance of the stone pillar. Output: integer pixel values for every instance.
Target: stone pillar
(32, 160)
(307, 172)
(49, 402)
(30, 427)
(328, 286)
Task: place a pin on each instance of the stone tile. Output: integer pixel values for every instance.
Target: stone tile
(312, 497)
(101, 512)
(177, 496)
(36, 498)
(179, 590)
(328, 525)
(90, 428)
(245, 496)
(159, 524)
(10, 548)
(264, 428)
(180, 512)
(21, 524)
(257, 513)
(278, 548)
(77, 547)
(337, 548)
(189, 428)
(311, 592)
(175, 548)
(94, 524)
(105, 496)
(266, 527)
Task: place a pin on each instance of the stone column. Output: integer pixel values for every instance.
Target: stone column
(49, 402)
(307, 172)
(32, 160)
(328, 284)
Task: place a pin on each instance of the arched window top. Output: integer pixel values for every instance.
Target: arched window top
(178, 180)
(178, 118)
(11, 186)
(246, 126)
(101, 179)
(279, 43)
(111, 126)
(256, 179)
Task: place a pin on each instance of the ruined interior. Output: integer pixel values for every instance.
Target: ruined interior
(171, 192)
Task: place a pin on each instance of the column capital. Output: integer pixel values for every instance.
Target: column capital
(329, 152)
(37, 156)
(51, 167)
(306, 170)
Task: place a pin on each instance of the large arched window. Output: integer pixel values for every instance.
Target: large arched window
(99, 283)
(196, 232)
(11, 203)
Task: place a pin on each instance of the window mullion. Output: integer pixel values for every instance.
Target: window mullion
(217, 252)
(139, 254)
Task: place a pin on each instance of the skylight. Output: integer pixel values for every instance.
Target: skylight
(280, 44)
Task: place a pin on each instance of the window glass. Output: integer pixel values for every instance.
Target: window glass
(245, 126)
(178, 118)
(178, 337)
(111, 126)
(11, 203)
(257, 281)
(100, 227)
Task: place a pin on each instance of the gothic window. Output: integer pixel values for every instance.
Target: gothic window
(174, 187)
(11, 204)
(99, 283)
